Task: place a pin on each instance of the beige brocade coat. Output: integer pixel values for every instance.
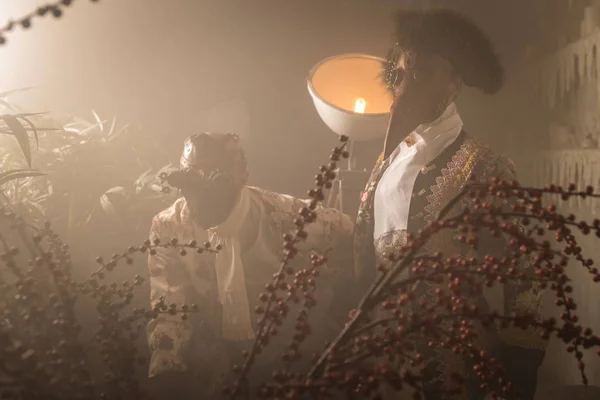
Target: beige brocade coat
(189, 279)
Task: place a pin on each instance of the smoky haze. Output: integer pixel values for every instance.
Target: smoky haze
(178, 67)
(182, 66)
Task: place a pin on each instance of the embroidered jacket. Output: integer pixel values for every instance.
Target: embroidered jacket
(178, 344)
(522, 350)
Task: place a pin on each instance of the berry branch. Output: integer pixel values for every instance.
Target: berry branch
(381, 345)
(547, 273)
(55, 9)
(42, 351)
(276, 308)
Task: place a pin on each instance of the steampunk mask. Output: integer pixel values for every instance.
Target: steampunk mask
(211, 176)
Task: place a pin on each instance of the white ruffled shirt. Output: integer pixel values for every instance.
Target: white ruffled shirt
(394, 190)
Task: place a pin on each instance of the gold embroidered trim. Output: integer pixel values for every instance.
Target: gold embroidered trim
(453, 177)
(422, 192)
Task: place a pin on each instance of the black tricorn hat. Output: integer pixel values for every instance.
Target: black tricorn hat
(453, 37)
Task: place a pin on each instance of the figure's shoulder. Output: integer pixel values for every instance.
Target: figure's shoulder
(281, 210)
(488, 162)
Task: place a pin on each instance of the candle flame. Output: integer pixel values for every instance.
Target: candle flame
(360, 106)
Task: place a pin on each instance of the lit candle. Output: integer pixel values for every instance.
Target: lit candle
(360, 105)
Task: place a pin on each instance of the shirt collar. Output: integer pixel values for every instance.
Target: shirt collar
(428, 132)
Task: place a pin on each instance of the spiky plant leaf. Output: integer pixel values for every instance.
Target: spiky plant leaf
(115, 200)
(4, 95)
(18, 174)
(20, 133)
(98, 120)
(33, 129)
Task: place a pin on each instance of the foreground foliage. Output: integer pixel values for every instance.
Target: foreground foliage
(46, 353)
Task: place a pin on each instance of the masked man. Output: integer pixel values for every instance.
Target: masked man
(427, 159)
(190, 357)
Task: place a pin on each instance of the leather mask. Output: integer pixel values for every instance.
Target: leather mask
(211, 175)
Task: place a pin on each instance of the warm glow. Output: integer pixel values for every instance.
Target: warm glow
(360, 106)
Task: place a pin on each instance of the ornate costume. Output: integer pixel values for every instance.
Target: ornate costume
(246, 224)
(440, 180)
(193, 278)
(425, 171)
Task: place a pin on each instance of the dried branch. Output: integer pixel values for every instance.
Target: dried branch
(55, 9)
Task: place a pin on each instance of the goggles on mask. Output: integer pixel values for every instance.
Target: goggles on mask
(216, 184)
(212, 169)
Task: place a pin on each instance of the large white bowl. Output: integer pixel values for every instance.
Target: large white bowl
(335, 85)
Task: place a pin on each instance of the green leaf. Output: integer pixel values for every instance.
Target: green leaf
(89, 217)
(142, 177)
(21, 115)
(35, 132)
(9, 92)
(98, 121)
(85, 130)
(115, 200)
(7, 105)
(107, 206)
(18, 174)
(20, 133)
(8, 131)
(118, 132)
(112, 127)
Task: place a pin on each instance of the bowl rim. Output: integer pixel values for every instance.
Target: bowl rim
(314, 93)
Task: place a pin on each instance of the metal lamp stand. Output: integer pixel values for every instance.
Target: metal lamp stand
(348, 185)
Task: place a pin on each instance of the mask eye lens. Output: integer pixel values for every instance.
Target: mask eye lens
(395, 77)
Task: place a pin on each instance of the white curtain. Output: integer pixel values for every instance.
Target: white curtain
(562, 167)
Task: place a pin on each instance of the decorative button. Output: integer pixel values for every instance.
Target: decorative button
(425, 170)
